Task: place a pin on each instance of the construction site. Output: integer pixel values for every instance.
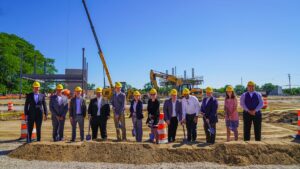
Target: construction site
(279, 146)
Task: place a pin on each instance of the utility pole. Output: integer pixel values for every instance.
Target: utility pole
(290, 84)
(242, 81)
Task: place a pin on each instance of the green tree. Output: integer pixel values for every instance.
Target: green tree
(11, 47)
(268, 87)
(91, 86)
(239, 89)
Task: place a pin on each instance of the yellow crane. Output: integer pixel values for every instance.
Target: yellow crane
(107, 92)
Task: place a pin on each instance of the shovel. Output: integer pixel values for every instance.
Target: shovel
(184, 136)
(211, 130)
(88, 136)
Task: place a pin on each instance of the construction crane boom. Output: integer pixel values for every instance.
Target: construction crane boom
(98, 45)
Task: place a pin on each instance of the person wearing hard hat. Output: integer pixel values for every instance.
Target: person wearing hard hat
(99, 113)
(118, 105)
(231, 113)
(59, 107)
(35, 107)
(136, 113)
(190, 113)
(172, 114)
(209, 110)
(252, 103)
(77, 112)
(153, 114)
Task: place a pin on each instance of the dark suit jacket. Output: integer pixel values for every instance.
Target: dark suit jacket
(139, 109)
(73, 107)
(93, 108)
(168, 109)
(56, 109)
(32, 109)
(210, 109)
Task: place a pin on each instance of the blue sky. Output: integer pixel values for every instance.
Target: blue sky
(223, 40)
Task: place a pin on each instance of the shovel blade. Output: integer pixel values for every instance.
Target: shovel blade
(88, 137)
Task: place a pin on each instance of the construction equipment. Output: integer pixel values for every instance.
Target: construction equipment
(176, 82)
(107, 92)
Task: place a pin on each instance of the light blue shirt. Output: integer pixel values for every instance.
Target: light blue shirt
(243, 104)
(36, 98)
(78, 106)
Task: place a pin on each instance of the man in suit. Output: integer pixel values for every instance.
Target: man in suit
(77, 114)
(252, 103)
(118, 106)
(59, 108)
(35, 106)
(99, 113)
(172, 113)
(209, 110)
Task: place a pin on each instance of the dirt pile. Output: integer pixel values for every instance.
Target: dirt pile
(238, 153)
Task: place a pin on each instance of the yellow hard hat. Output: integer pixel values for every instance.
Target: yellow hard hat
(229, 89)
(136, 93)
(251, 83)
(36, 84)
(153, 91)
(118, 84)
(59, 87)
(78, 89)
(185, 91)
(173, 92)
(99, 90)
(209, 90)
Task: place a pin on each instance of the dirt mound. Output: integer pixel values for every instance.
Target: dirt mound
(235, 153)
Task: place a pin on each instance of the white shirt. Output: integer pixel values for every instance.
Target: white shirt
(134, 108)
(174, 109)
(190, 106)
(36, 98)
(99, 100)
(207, 100)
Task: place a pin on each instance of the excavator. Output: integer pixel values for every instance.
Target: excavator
(174, 81)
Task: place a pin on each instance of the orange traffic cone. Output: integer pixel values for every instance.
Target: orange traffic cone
(10, 106)
(265, 99)
(24, 129)
(162, 130)
(297, 136)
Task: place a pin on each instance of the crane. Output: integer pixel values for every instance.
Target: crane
(107, 92)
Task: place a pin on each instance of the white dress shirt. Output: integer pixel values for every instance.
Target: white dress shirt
(190, 106)
(174, 109)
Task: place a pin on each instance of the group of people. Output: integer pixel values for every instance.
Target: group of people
(183, 111)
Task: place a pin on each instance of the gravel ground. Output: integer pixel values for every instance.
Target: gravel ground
(11, 163)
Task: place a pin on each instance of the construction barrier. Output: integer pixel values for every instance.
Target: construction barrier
(298, 135)
(10, 106)
(162, 130)
(24, 128)
(265, 99)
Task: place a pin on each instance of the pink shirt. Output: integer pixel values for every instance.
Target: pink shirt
(230, 108)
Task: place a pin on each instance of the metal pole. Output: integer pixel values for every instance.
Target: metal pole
(82, 83)
(34, 70)
(21, 74)
(45, 72)
(290, 83)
